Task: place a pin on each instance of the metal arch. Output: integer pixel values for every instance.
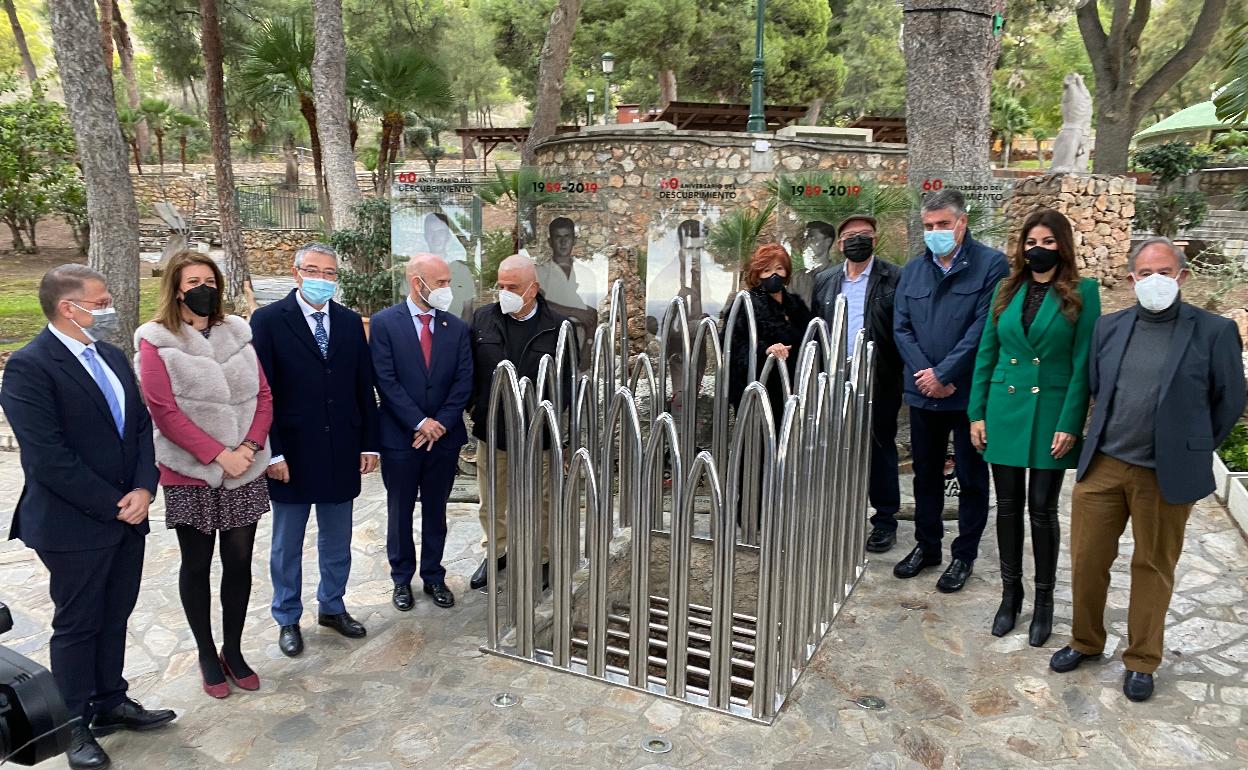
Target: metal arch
(505, 390)
(525, 563)
(663, 442)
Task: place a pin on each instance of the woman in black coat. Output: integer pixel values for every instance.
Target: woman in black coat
(780, 319)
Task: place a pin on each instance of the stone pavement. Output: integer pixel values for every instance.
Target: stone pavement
(416, 692)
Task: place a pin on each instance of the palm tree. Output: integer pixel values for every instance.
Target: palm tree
(839, 196)
(393, 82)
(1009, 118)
(184, 126)
(130, 121)
(156, 113)
(329, 85)
(1232, 98)
(276, 68)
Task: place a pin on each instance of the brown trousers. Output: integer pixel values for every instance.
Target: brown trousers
(1110, 493)
(500, 489)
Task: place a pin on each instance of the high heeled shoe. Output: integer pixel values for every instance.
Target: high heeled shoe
(250, 682)
(1011, 606)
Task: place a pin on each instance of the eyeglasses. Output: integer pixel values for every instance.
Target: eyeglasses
(311, 272)
(99, 304)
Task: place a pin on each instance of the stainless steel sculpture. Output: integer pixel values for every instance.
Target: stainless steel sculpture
(606, 440)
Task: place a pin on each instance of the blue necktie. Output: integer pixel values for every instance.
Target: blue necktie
(110, 396)
(322, 336)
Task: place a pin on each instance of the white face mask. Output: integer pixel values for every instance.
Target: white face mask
(438, 299)
(1156, 292)
(510, 302)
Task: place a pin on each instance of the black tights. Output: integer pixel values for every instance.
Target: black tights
(196, 593)
(1041, 495)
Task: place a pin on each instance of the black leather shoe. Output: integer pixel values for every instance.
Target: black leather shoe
(480, 577)
(129, 715)
(1007, 612)
(954, 578)
(1067, 659)
(402, 597)
(881, 540)
(442, 595)
(290, 640)
(915, 562)
(1137, 687)
(343, 624)
(84, 753)
(1041, 618)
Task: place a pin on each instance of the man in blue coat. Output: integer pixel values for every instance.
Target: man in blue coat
(90, 474)
(423, 364)
(940, 308)
(324, 436)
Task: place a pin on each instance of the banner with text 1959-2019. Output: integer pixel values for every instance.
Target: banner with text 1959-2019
(564, 226)
(437, 214)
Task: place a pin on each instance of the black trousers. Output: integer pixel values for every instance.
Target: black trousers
(929, 436)
(1041, 494)
(884, 486)
(407, 474)
(93, 593)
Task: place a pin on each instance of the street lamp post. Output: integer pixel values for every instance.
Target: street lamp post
(589, 100)
(758, 121)
(608, 66)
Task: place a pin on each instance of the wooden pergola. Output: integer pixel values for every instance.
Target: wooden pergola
(489, 138)
(883, 129)
(710, 116)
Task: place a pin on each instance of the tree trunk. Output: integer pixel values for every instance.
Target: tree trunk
(551, 68)
(160, 150)
(329, 87)
(1006, 141)
(199, 108)
(667, 87)
(950, 54)
(182, 151)
(112, 214)
(291, 156)
(19, 243)
(814, 111)
(354, 125)
(19, 37)
(134, 145)
(308, 109)
(106, 32)
(1115, 63)
(237, 278)
(125, 52)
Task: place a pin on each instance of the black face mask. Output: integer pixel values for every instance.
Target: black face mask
(1040, 259)
(772, 284)
(858, 248)
(203, 300)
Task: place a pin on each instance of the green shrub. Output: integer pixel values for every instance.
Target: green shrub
(1234, 451)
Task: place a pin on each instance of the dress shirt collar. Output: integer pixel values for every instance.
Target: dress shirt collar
(866, 272)
(75, 347)
(307, 309)
(416, 311)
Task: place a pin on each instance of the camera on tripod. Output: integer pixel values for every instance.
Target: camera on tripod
(33, 722)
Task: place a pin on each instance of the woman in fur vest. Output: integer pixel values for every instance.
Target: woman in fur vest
(212, 409)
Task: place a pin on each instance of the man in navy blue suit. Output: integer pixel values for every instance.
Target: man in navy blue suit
(90, 475)
(324, 436)
(423, 366)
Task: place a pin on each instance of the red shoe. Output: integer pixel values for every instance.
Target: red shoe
(251, 682)
(217, 691)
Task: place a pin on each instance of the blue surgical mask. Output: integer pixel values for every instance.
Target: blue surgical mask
(318, 291)
(940, 242)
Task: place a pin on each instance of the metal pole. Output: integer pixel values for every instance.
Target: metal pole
(662, 436)
(757, 123)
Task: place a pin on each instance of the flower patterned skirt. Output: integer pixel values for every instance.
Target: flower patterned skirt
(208, 509)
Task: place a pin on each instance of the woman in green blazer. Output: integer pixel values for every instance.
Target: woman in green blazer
(1029, 399)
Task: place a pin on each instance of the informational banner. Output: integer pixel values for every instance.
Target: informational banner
(437, 214)
(985, 197)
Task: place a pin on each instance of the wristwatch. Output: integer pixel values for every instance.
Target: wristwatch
(253, 446)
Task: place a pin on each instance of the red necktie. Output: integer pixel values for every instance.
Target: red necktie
(426, 338)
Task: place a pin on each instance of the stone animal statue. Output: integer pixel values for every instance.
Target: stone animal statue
(1074, 141)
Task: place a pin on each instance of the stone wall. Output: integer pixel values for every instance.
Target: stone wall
(1099, 208)
(271, 252)
(633, 163)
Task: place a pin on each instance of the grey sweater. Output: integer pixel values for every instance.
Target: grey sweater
(1129, 432)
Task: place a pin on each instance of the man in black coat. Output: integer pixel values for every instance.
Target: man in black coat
(869, 284)
(521, 327)
(1167, 383)
(324, 436)
(90, 475)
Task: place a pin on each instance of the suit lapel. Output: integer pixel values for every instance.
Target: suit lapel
(1044, 317)
(74, 368)
(1115, 347)
(1011, 321)
(116, 361)
(299, 324)
(408, 323)
(1184, 326)
(441, 340)
(335, 323)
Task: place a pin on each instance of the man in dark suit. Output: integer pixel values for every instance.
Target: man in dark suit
(868, 285)
(90, 475)
(423, 365)
(324, 436)
(1167, 379)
